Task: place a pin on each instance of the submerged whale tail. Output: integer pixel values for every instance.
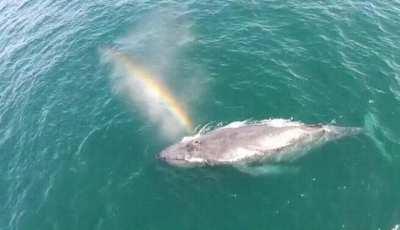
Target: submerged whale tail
(337, 132)
(378, 133)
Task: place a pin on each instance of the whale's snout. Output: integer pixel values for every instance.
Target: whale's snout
(170, 156)
(164, 156)
(179, 156)
(160, 157)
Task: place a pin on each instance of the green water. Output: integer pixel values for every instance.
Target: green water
(76, 155)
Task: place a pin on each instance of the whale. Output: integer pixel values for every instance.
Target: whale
(251, 145)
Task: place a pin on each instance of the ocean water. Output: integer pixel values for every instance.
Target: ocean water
(76, 154)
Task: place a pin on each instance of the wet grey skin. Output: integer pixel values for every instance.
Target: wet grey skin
(267, 142)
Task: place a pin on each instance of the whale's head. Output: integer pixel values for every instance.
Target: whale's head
(183, 154)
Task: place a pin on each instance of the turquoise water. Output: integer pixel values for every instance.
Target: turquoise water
(74, 154)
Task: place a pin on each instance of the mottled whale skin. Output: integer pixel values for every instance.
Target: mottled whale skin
(270, 141)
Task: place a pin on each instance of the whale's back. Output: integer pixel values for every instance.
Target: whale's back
(271, 141)
(259, 142)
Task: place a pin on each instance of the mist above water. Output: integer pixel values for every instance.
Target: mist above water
(152, 49)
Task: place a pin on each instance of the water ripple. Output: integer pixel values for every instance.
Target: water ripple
(73, 156)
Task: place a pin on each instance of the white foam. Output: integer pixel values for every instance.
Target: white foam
(279, 122)
(189, 138)
(235, 124)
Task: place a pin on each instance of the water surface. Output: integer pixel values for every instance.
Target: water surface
(74, 154)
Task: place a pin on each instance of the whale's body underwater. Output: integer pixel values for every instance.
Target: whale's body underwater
(251, 144)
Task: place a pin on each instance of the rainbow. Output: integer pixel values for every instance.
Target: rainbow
(156, 87)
